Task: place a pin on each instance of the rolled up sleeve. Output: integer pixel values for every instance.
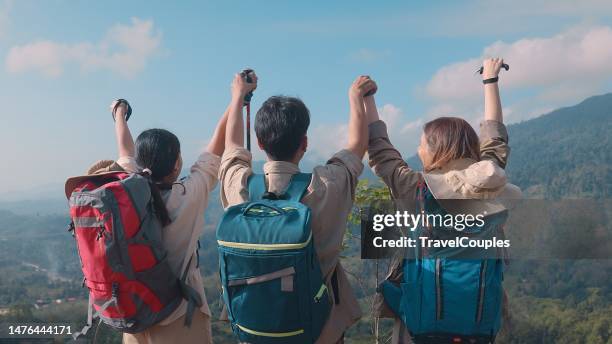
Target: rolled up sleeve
(388, 164)
(494, 142)
(233, 175)
(203, 174)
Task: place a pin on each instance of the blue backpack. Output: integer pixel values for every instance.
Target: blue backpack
(450, 295)
(273, 288)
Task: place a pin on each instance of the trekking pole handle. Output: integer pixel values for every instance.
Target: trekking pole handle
(504, 66)
(246, 74)
(121, 101)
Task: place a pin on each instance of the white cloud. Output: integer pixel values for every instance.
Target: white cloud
(397, 122)
(404, 130)
(327, 139)
(576, 55)
(391, 114)
(125, 50)
(557, 70)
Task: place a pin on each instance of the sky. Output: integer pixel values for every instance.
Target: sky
(63, 62)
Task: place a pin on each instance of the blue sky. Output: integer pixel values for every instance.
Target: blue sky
(64, 61)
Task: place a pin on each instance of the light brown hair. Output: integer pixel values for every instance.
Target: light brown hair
(450, 138)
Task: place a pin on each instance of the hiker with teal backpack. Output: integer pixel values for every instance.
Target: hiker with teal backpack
(281, 235)
(137, 227)
(448, 298)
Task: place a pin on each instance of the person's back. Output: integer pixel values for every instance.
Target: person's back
(281, 125)
(457, 164)
(180, 206)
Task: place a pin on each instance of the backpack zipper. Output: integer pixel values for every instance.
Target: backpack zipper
(265, 247)
(438, 289)
(271, 334)
(481, 291)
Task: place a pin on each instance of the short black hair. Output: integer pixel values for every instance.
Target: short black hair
(280, 125)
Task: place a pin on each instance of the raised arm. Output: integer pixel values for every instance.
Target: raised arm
(386, 161)
(492, 107)
(217, 142)
(234, 136)
(493, 133)
(358, 124)
(370, 107)
(125, 142)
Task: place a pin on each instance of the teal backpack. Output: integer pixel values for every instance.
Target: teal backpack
(273, 288)
(450, 295)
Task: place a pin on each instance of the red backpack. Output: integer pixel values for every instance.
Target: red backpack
(119, 242)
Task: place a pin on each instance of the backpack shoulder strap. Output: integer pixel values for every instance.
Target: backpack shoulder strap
(194, 300)
(298, 186)
(295, 190)
(257, 186)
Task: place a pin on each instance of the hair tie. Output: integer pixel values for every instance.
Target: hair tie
(147, 171)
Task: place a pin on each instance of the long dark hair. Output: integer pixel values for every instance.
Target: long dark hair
(157, 150)
(450, 138)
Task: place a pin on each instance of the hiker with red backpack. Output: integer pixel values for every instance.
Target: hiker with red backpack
(137, 226)
(281, 235)
(442, 296)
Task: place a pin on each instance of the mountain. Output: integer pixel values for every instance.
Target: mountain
(565, 153)
(37, 207)
(34, 192)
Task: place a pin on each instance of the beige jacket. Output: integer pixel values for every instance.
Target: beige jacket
(459, 179)
(330, 198)
(186, 203)
(388, 164)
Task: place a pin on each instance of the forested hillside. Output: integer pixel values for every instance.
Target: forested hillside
(565, 153)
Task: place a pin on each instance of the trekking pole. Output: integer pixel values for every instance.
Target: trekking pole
(248, 126)
(247, 102)
(377, 318)
(504, 66)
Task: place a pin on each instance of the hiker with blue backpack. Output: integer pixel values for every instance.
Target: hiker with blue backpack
(281, 235)
(137, 227)
(448, 298)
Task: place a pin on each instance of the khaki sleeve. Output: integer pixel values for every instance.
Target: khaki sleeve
(330, 198)
(342, 170)
(388, 164)
(129, 164)
(494, 142)
(233, 176)
(203, 175)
